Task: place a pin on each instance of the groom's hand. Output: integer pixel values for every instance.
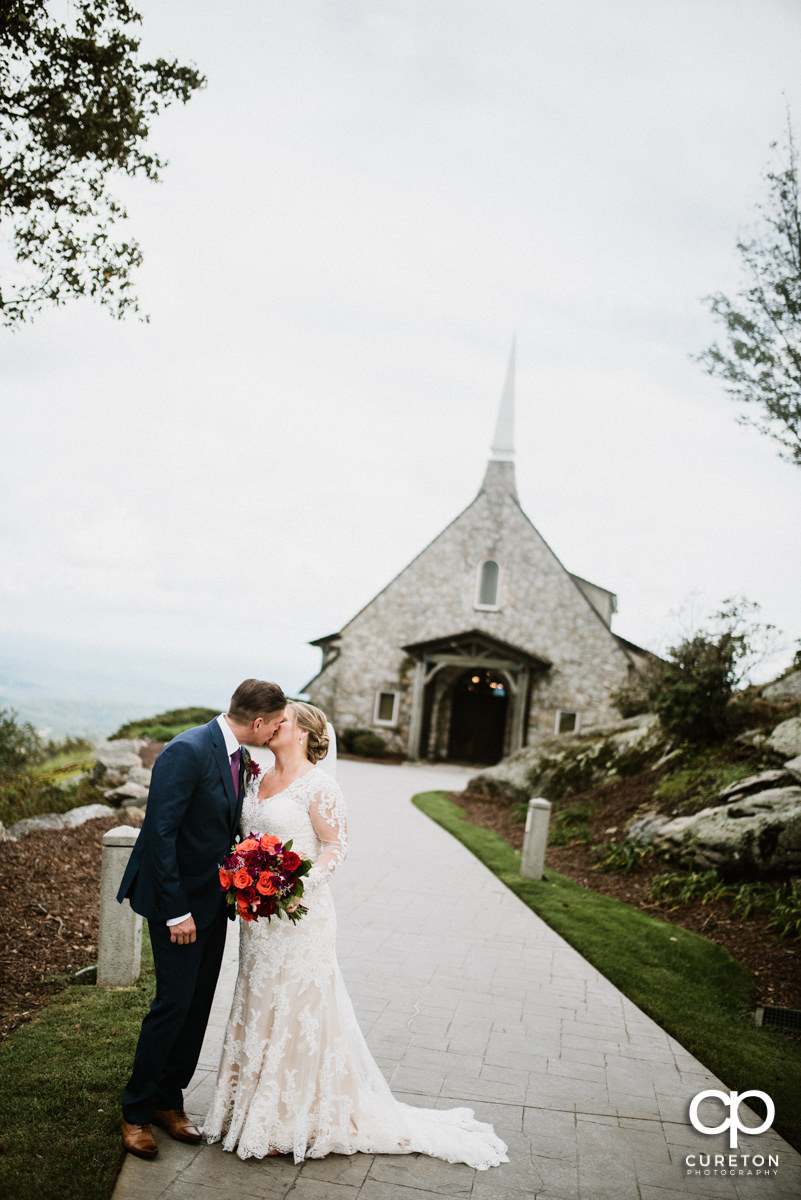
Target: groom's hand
(184, 933)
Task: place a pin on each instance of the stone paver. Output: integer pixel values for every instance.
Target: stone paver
(466, 997)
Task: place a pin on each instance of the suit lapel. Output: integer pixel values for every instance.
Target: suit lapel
(224, 765)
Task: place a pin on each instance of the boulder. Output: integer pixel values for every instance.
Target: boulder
(114, 761)
(140, 775)
(793, 767)
(788, 688)
(786, 738)
(755, 836)
(86, 812)
(127, 795)
(131, 813)
(67, 820)
(645, 826)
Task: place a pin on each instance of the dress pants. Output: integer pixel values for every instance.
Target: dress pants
(172, 1032)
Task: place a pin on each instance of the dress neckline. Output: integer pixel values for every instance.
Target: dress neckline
(291, 784)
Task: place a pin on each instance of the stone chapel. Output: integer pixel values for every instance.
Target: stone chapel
(484, 642)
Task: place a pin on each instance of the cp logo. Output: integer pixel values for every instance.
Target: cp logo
(732, 1101)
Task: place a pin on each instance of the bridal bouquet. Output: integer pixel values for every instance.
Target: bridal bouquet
(263, 877)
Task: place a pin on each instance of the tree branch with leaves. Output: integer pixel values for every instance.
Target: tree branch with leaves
(761, 365)
(76, 105)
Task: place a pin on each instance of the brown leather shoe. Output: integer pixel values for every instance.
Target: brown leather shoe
(177, 1124)
(138, 1139)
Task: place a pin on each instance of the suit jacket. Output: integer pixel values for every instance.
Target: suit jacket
(191, 820)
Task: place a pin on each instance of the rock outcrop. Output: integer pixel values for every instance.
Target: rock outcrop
(572, 763)
(786, 688)
(118, 767)
(754, 836)
(754, 832)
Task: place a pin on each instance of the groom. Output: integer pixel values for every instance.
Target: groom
(191, 820)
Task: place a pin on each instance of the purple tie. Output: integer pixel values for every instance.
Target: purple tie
(235, 760)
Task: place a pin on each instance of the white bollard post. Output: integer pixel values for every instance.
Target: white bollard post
(532, 863)
(119, 946)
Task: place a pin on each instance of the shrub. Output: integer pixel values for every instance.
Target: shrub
(569, 825)
(631, 699)
(369, 745)
(691, 689)
(620, 858)
(20, 745)
(23, 796)
(363, 742)
(786, 908)
(70, 747)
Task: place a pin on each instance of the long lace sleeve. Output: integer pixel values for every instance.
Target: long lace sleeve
(329, 820)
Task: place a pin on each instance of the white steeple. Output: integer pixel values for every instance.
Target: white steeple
(499, 479)
(503, 443)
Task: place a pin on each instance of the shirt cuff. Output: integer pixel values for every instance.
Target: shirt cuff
(178, 920)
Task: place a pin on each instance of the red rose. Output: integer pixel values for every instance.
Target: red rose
(291, 861)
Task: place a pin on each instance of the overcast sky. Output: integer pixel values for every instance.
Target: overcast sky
(365, 203)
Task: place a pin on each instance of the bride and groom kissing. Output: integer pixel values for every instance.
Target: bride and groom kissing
(296, 1075)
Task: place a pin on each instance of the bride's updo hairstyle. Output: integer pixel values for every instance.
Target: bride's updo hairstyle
(313, 721)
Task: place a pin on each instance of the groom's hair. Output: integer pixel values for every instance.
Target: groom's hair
(255, 698)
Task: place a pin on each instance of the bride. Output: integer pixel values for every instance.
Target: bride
(296, 1075)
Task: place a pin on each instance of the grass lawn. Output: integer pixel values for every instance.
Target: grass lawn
(691, 987)
(61, 1081)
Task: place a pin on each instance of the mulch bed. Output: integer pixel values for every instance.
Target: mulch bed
(49, 906)
(774, 966)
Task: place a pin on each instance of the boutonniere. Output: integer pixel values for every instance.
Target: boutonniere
(252, 769)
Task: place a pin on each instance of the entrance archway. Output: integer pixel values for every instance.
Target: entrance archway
(479, 704)
(456, 712)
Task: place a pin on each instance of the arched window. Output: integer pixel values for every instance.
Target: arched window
(489, 574)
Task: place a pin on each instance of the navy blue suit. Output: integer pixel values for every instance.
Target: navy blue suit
(190, 823)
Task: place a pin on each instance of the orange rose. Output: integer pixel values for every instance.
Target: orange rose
(246, 846)
(242, 878)
(266, 885)
(268, 843)
(225, 877)
(245, 913)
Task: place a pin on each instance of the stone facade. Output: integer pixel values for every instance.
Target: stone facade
(458, 660)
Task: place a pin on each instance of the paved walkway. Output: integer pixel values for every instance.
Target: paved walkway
(466, 997)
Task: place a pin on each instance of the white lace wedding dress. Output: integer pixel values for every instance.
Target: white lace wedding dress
(296, 1075)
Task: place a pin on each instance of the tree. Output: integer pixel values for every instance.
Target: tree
(761, 367)
(75, 108)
